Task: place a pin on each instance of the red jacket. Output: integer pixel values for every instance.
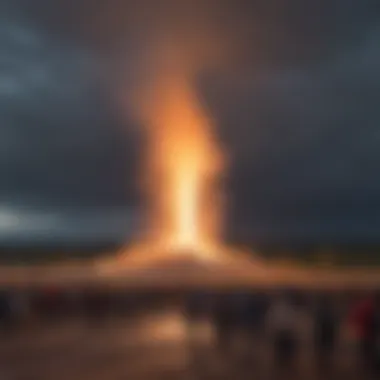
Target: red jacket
(360, 317)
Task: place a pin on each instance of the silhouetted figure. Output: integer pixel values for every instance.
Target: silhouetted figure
(96, 306)
(195, 312)
(247, 318)
(325, 332)
(19, 307)
(360, 319)
(195, 306)
(122, 304)
(241, 310)
(374, 338)
(5, 311)
(48, 303)
(283, 321)
(257, 309)
(224, 320)
(249, 311)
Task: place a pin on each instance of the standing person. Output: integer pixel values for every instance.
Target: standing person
(258, 307)
(251, 314)
(224, 320)
(360, 320)
(96, 305)
(283, 322)
(195, 307)
(194, 313)
(374, 338)
(5, 310)
(20, 306)
(325, 332)
(252, 311)
(242, 308)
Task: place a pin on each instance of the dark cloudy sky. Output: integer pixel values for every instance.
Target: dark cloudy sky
(293, 86)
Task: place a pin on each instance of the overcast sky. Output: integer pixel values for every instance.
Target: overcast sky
(293, 87)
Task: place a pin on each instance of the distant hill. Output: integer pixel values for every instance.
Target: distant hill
(303, 253)
(334, 255)
(41, 254)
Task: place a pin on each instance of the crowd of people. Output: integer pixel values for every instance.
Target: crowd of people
(44, 306)
(280, 315)
(275, 314)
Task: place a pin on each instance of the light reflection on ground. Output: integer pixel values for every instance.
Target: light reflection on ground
(172, 326)
(169, 326)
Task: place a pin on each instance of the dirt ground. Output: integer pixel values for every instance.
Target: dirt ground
(157, 344)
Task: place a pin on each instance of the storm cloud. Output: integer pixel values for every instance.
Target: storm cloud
(307, 144)
(293, 90)
(62, 152)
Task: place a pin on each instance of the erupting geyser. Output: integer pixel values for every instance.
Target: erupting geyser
(183, 164)
(182, 169)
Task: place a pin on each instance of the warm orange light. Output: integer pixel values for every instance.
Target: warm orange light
(183, 165)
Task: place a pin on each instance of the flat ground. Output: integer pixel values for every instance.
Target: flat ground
(186, 272)
(155, 345)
